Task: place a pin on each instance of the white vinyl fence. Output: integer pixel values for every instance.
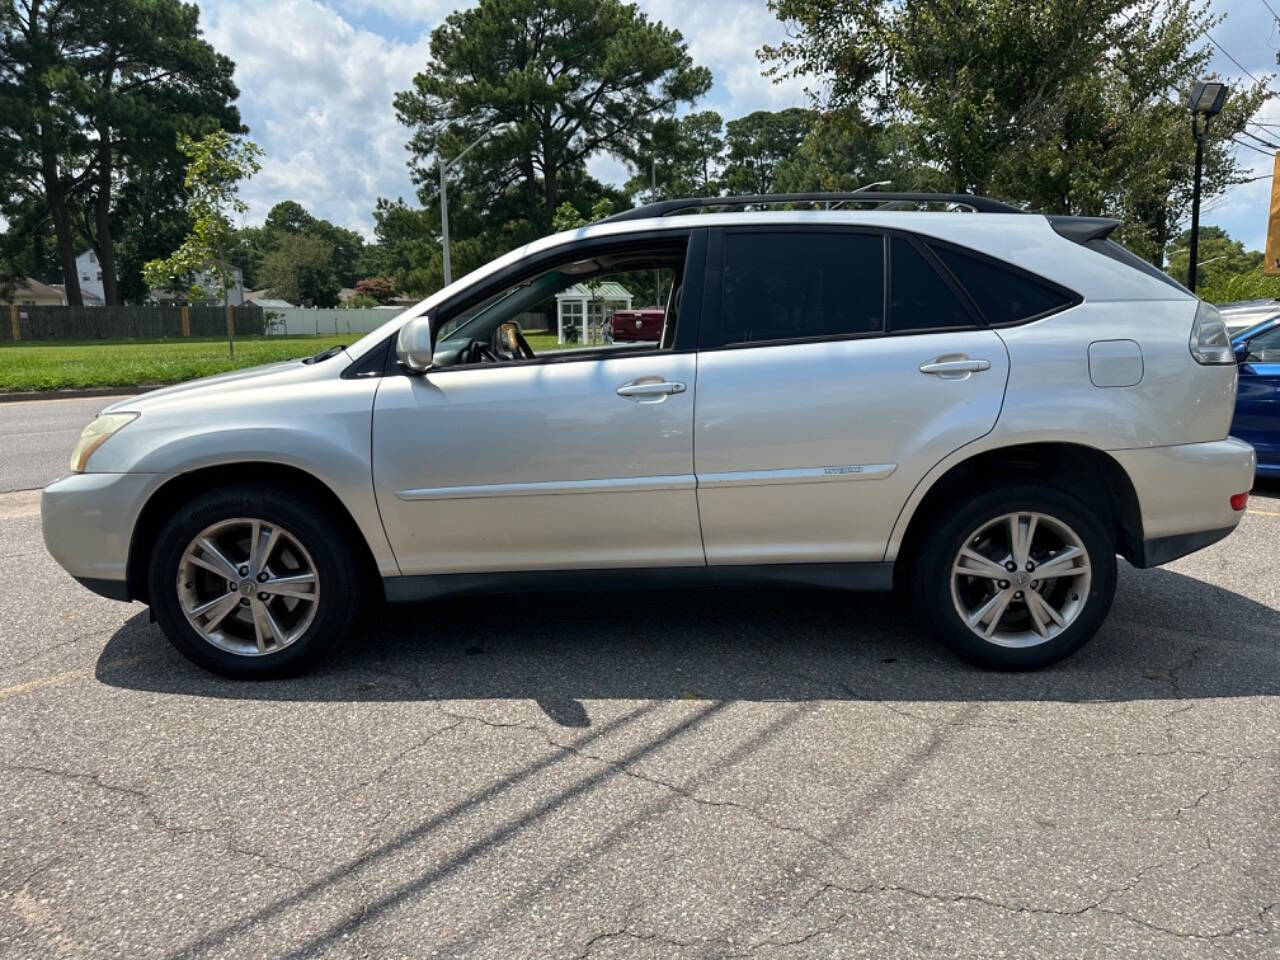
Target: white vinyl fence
(301, 321)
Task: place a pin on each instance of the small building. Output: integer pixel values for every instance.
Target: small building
(584, 307)
(31, 292)
(267, 303)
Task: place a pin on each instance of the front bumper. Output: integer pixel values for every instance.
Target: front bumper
(88, 521)
(1184, 492)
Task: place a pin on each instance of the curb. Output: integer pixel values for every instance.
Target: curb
(18, 396)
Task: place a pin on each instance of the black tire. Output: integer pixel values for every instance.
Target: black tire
(330, 552)
(933, 586)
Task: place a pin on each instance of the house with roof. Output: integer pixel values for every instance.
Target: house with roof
(31, 292)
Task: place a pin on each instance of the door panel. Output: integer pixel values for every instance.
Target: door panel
(806, 452)
(539, 466)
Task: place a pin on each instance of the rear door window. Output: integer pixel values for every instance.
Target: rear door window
(801, 285)
(1003, 295)
(921, 298)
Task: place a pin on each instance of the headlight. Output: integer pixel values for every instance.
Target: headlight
(1209, 341)
(95, 435)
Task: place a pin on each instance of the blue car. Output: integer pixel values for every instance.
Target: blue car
(1257, 419)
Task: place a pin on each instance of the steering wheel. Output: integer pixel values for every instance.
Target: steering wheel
(509, 343)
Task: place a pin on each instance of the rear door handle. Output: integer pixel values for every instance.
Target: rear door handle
(954, 369)
(654, 389)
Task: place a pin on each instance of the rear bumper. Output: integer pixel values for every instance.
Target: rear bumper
(1184, 493)
(88, 520)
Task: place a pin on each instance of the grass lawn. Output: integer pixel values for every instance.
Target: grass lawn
(61, 366)
(64, 366)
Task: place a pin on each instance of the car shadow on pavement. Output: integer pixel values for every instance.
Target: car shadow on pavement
(1169, 636)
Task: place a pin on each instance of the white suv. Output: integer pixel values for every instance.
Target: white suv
(987, 405)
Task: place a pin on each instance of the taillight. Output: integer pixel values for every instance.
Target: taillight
(1239, 500)
(1209, 341)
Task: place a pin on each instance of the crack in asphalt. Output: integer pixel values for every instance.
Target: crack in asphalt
(230, 845)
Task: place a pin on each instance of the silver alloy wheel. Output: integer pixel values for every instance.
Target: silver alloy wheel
(248, 587)
(1021, 579)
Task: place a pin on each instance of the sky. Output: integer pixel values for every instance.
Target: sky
(317, 78)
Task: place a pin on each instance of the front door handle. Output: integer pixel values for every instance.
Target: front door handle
(954, 368)
(652, 388)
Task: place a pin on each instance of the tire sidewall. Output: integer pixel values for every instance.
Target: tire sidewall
(933, 585)
(337, 577)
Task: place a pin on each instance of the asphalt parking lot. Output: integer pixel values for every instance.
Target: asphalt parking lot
(720, 774)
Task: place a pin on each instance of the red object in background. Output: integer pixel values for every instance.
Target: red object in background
(645, 324)
(1239, 500)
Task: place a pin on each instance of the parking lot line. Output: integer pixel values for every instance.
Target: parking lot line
(56, 678)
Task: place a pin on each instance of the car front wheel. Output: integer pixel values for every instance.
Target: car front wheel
(248, 582)
(1018, 578)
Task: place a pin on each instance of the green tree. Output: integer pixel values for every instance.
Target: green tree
(844, 151)
(291, 218)
(92, 96)
(686, 155)
(216, 165)
(1227, 271)
(300, 269)
(1068, 106)
(758, 143)
(558, 80)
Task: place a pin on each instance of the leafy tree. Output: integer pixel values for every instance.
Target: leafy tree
(92, 96)
(216, 165)
(1069, 106)
(686, 157)
(1227, 271)
(553, 82)
(300, 269)
(758, 143)
(845, 151)
(290, 218)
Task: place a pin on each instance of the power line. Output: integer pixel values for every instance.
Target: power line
(1265, 143)
(1241, 143)
(1232, 58)
(1272, 9)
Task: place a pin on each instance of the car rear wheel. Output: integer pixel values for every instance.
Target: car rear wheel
(1018, 578)
(248, 582)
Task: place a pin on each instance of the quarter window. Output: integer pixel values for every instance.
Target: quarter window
(1002, 295)
(783, 286)
(922, 300)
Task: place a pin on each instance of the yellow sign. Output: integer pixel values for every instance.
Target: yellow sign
(1271, 265)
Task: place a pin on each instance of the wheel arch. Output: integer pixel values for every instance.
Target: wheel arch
(180, 489)
(1086, 473)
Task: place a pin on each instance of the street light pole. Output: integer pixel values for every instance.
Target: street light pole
(445, 167)
(1206, 102)
(1195, 207)
(444, 223)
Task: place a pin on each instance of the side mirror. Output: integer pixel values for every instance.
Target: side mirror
(1241, 350)
(415, 346)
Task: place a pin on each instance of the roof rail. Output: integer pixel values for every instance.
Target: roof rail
(665, 208)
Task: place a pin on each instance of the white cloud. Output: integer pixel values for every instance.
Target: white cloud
(317, 79)
(316, 93)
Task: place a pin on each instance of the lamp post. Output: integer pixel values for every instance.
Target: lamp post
(1206, 102)
(445, 167)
